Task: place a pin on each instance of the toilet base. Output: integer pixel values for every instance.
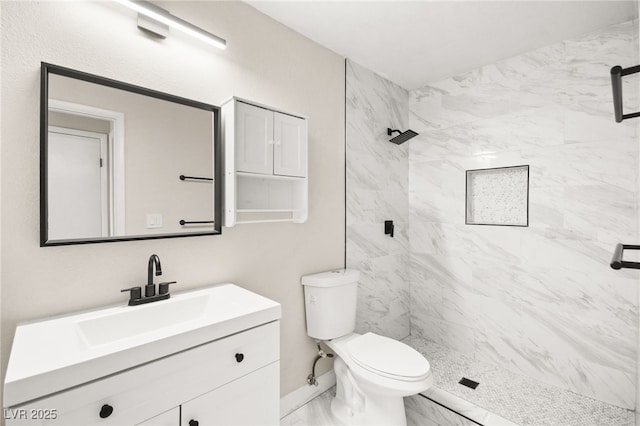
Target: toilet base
(385, 411)
(351, 406)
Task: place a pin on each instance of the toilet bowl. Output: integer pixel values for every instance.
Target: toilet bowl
(373, 372)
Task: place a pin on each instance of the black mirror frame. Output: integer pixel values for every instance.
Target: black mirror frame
(47, 69)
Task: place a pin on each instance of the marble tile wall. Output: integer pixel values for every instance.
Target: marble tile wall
(540, 300)
(377, 190)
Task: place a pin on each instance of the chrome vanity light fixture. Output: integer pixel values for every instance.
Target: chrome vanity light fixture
(165, 19)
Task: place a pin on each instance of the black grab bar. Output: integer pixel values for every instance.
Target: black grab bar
(196, 222)
(616, 260)
(183, 177)
(617, 73)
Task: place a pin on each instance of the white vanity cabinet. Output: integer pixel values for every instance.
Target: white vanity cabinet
(231, 381)
(168, 418)
(215, 360)
(265, 152)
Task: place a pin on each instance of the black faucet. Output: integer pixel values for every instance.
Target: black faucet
(150, 288)
(135, 297)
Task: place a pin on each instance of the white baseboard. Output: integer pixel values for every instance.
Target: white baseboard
(296, 399)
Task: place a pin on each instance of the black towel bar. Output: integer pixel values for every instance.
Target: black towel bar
(616, 260)
(617, 73)
(183, 177)
(197, 222)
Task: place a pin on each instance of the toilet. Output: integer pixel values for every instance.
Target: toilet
(373, 372)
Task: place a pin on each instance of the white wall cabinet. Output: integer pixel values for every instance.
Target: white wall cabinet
(289, 145)
(254, 139)
(266, 158)
(232, 381)
(269, 142)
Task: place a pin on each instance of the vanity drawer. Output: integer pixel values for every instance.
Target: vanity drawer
(228, 405)
(140, 393)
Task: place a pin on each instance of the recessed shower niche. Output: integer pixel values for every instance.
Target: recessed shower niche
(498, 196)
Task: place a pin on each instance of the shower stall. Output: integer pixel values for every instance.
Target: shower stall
(534, 313)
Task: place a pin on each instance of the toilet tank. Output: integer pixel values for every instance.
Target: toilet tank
(330, 300)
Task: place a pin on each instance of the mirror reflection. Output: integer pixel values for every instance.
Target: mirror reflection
(114, 158)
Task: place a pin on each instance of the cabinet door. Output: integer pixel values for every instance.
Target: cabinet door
(254, 139)
(250, 400)
(168, 418)
(290, 145)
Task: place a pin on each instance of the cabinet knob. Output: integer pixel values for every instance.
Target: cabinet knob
(239, 357)
(106, 411)
(193, 422)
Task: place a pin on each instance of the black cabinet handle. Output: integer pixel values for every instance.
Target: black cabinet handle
(239, 357)
(106, 411)
(193, 422)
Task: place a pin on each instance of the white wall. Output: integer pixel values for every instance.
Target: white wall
(264, 61)
(540, 300)
(377, 190)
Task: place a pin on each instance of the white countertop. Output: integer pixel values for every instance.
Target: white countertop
(55, 354)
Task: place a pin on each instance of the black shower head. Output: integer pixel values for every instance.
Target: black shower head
(402, 137)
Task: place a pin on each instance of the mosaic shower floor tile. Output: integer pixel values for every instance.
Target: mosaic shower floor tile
(514, 396)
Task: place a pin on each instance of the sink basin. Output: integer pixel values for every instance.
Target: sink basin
(151, 318)
(55, 354)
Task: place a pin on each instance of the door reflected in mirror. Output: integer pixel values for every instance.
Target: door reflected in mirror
(112, 156)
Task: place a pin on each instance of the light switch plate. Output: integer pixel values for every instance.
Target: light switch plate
(154, 220)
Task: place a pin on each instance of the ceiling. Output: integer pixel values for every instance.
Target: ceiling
(413, 43)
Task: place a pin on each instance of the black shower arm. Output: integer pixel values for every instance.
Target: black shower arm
(390, 132)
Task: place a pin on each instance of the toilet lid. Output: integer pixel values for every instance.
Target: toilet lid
(388, 357)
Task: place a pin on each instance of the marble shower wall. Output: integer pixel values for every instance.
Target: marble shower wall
(540, 300)
(377, 190)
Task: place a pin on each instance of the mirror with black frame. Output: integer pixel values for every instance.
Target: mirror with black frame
(120, 162)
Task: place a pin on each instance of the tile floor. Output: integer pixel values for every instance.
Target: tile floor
(514, 396)
(502, 397)
(318, 413)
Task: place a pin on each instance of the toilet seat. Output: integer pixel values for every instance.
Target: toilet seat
(388, 358)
